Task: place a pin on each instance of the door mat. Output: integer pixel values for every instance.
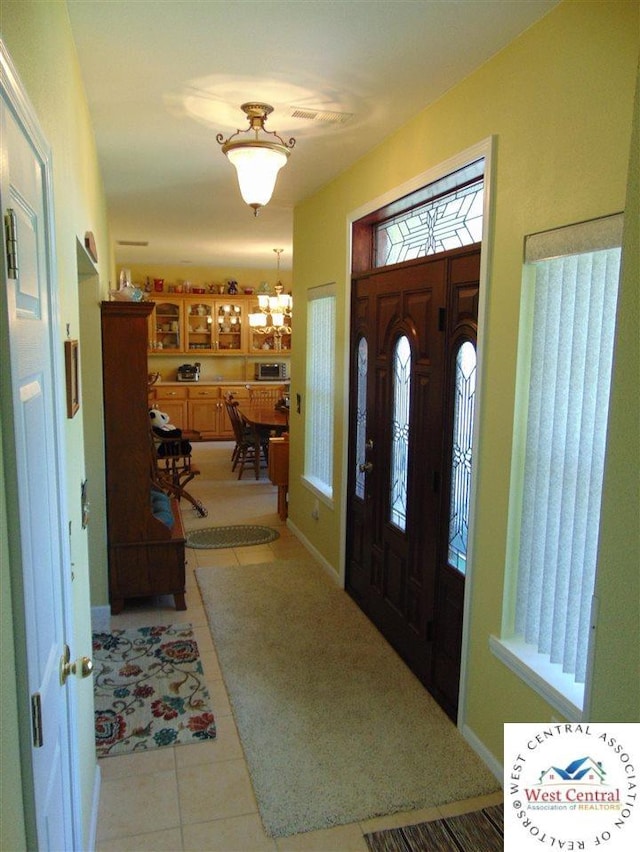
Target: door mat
(479, 831)
(149, 690)
(231, 536)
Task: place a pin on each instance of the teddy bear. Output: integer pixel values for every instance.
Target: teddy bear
(162, 427)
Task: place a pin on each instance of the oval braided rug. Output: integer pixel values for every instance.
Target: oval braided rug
(240, 535)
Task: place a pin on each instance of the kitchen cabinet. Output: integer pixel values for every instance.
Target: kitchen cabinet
(203, 408)
(207, 413)
(200, 406)
(166, 325)
(173, 401)
(199, 325)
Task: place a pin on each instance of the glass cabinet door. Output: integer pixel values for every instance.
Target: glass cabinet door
(200, 334)
(229, 324)
(166, 327)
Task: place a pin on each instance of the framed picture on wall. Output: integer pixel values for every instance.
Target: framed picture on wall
(71, 370)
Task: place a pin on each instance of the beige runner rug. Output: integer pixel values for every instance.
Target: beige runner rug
(334, 726)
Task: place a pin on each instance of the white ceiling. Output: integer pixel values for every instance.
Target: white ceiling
(163, 77)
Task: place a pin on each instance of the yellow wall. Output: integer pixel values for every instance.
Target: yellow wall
(38, 38)
(204, 275)
(559, 102)
(618, 580)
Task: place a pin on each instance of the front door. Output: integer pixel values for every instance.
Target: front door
(409, 322)
(32, 432)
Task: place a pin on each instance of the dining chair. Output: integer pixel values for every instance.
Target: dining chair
(266, 396)
(249, 448)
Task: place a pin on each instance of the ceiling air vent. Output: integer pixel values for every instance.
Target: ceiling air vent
(321, 116)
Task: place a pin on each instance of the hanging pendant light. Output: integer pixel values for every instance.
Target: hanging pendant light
(257, 159)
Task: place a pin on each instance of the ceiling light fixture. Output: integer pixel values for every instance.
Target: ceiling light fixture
(257, 160)
(275, 314)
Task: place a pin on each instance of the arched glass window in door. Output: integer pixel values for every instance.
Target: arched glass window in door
(361, 415)
(400, 432)
(462, 454)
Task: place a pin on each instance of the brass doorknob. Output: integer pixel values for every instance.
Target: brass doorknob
(82, 666)
(365, 467)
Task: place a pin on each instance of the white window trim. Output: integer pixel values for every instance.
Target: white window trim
(547, 679)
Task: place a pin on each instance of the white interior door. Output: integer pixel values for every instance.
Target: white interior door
(35, 469)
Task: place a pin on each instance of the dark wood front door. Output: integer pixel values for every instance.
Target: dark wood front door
(408, 322)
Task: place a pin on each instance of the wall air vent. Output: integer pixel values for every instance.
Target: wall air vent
(319, 115)
(132, 242)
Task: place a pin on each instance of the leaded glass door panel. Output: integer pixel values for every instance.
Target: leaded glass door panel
(405, 320)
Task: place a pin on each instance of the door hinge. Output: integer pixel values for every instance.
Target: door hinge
(36, 720)
(11, 242)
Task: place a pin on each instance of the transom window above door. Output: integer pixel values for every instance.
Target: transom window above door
(444, 215)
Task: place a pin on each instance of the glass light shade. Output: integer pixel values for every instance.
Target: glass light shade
(263, 301)
(257, 164)
(277, 319)
(257, 320)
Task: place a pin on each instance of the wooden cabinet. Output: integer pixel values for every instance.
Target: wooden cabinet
(198, 325)
(146, 556)
(204, 410)
(166, 332)
(207, 413)
(173, 401)
(215, 326)
(200, 406)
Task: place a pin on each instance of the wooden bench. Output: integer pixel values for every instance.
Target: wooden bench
(153, 565)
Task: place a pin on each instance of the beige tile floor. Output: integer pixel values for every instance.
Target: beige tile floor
(200, 797)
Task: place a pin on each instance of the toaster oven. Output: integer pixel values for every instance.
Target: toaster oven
(270, 372)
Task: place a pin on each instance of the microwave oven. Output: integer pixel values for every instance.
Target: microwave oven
(271, 372)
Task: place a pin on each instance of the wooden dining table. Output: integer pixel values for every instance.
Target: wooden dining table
(265, 418)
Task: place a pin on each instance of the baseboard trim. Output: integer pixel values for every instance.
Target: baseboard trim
(484, 754)
(328, 568)
(101, 618)
(95, 808)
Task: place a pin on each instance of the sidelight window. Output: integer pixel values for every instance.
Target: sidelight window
(400, 432)
(462, 454)
(361, 415)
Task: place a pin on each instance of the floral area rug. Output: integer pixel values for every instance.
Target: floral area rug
(149, 690)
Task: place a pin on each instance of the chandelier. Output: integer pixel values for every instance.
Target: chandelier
(257, 159)
(274, 316)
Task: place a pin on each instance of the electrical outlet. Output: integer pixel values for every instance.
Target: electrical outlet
(315, 512)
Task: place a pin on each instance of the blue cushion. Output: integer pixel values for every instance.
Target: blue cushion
(161, 507)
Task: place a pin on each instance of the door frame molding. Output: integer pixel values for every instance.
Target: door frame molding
(485, 149)
(15, 95)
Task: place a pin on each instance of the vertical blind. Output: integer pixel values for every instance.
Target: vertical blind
(572, 335)
(321, 334)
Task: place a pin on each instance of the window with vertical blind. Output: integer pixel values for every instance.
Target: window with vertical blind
(319, 408)
(567, 329)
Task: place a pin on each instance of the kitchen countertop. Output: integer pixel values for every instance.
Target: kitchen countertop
(220, 382)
